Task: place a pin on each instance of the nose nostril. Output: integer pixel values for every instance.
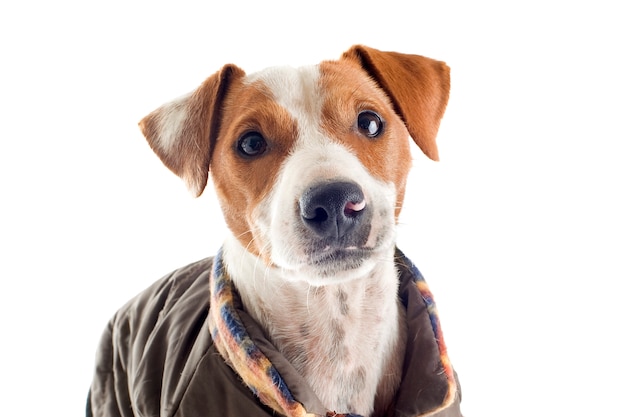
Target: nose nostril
(353, 208)
(320, 215)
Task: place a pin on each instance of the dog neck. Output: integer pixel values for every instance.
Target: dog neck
(346, 339)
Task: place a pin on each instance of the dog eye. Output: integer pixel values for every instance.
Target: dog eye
(370, 124)
(251, 144)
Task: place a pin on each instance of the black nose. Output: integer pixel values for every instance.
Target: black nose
(332, 209)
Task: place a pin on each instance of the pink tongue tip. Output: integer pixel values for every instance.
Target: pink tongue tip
(352, 206)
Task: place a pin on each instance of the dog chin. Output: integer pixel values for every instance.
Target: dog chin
(333, 266)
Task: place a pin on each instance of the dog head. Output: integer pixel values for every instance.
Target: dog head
(309, 163)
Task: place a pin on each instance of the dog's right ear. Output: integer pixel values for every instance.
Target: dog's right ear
(183, 132)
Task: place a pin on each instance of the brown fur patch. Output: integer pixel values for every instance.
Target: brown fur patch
(242, 182)
(417, 86)
(347, 92)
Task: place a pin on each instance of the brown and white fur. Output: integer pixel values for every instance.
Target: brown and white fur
(311, 184)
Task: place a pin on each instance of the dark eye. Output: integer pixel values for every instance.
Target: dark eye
(370, 124)
(251, 144)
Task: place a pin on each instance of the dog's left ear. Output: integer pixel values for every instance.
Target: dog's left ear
(183, 132)
(417, 86)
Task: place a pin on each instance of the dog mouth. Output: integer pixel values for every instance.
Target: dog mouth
(331, 260)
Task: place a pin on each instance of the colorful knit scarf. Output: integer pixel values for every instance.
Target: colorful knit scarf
(255, 369)
(429, 300)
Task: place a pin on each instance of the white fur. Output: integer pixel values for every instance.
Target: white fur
(343, 332)
(295, 89)
(329, 348)
(171, 118)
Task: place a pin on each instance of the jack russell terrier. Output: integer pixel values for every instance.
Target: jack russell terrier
(309, 309)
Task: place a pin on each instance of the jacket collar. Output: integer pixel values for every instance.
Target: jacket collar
(428, 384)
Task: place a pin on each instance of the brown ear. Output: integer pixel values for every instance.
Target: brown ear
(417, 86)
(183, 132)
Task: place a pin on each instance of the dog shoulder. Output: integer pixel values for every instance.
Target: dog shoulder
(135, 349)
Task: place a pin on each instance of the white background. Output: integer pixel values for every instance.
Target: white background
(519, 229)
